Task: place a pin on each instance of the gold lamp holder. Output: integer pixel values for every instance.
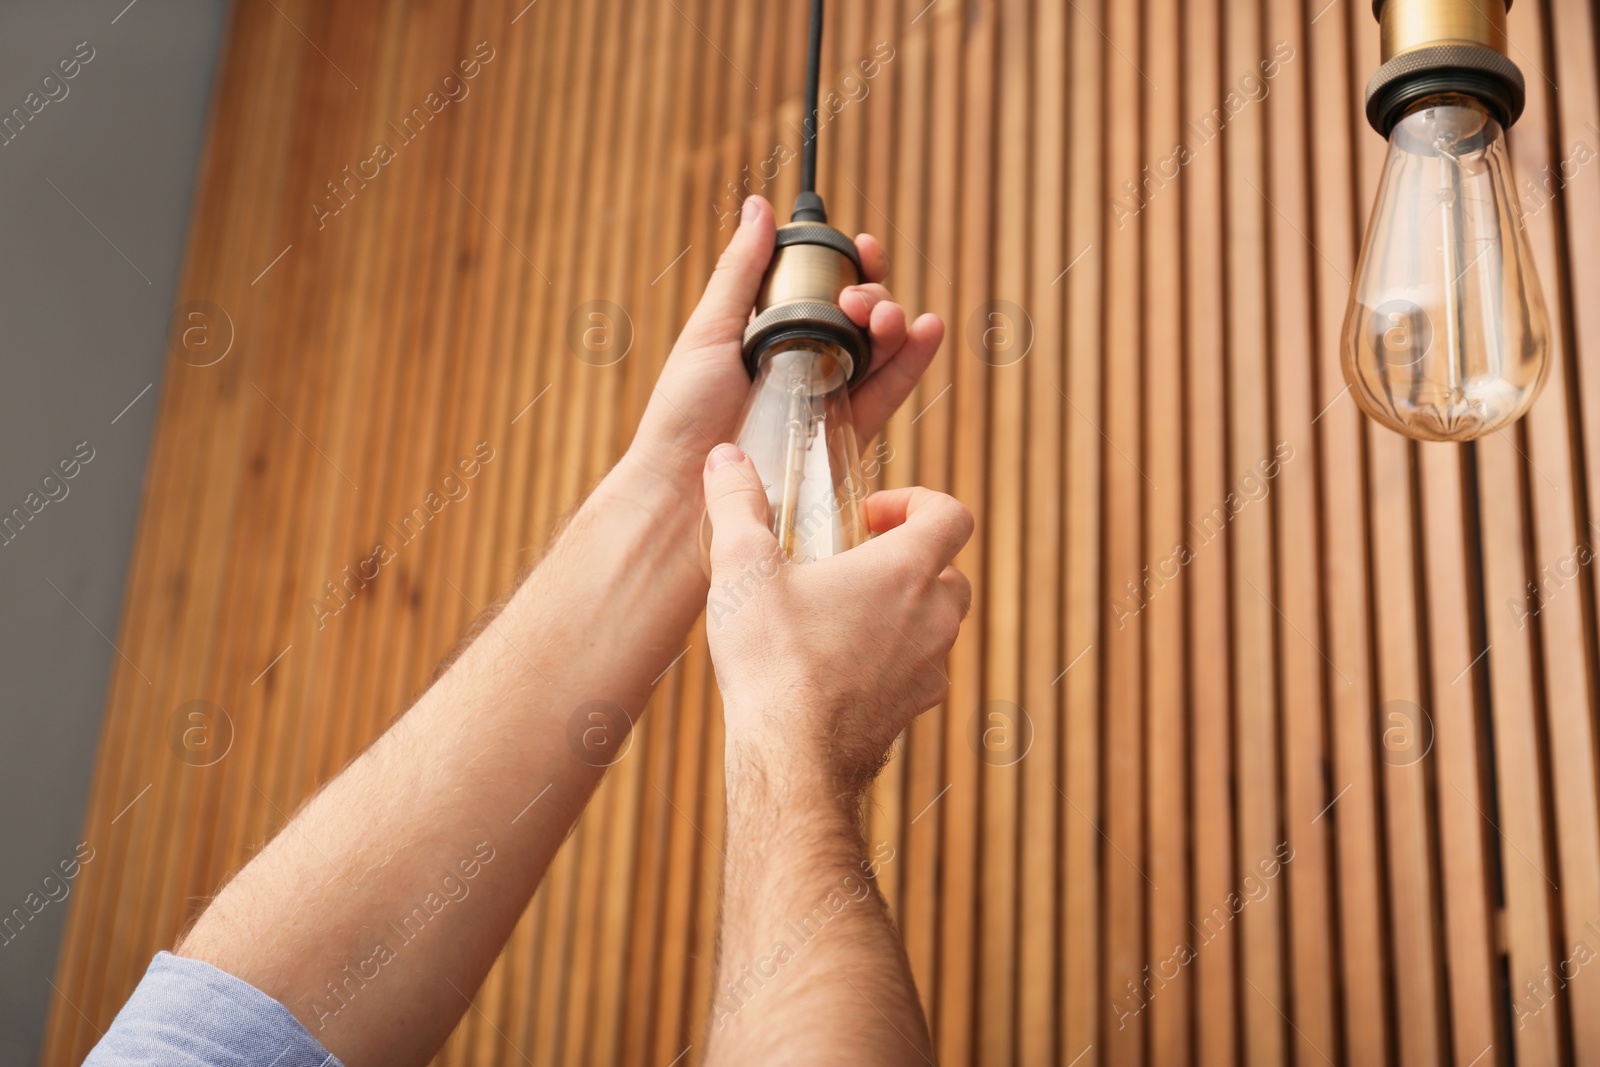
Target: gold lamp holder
(1432, 47)
(812, 263)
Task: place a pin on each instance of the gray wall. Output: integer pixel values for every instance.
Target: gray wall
(88, 272)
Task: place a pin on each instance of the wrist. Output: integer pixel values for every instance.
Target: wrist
(670, 510)
(662, 480)
(786, 781)
(621, 573)
(792, 831)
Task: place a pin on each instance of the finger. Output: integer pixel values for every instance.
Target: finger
(737, 506)
(887, 331)
(874, 260)
(724, 309)
(894, 376)
(857, 301)
(889, 508)
(871, 306)
(933, 524)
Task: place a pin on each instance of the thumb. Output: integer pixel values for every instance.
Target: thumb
(737, 505)
(724, 309)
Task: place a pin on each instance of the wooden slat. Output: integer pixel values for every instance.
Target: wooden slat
(1040, 899)
(1166, 756)
(1118, 414)
(1185, 326)
(1207, 483)
(1256, 615)
(1080, 940)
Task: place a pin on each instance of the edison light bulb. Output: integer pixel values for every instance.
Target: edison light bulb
(1445, 337)
(798, 432)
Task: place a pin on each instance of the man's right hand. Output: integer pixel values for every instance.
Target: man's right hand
(822, 665)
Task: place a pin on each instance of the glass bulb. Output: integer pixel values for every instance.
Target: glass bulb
(1445, 337)
(798, 432)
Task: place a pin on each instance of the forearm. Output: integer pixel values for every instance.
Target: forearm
(374, 929)
(810, 967)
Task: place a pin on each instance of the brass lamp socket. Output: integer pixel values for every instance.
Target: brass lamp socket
(811, 264)
(1432, 47)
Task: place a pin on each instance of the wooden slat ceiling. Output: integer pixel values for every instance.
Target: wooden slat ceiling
(1350, 673)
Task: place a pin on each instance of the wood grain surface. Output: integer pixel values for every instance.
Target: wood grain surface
(1321, 786)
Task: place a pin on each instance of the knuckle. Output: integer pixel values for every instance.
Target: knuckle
(736, 487)
(952, 630)
(962, 522)
(963, 597)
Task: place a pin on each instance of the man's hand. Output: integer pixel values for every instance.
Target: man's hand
(703, 386)
(821, 665)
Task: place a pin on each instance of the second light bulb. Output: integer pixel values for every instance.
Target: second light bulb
(1445, 338)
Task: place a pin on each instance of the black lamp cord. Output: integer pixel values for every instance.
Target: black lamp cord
(808, 206)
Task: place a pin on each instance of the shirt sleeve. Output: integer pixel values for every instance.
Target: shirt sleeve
(185, 1013)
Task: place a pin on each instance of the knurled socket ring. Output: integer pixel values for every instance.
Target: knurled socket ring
(819, 233)
(1470, 69)
(808, 319)
(812, 263)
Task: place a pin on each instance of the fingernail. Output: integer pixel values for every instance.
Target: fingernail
(723, 455)
(748, 212)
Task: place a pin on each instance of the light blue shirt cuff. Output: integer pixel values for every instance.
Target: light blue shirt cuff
(185, 1013)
